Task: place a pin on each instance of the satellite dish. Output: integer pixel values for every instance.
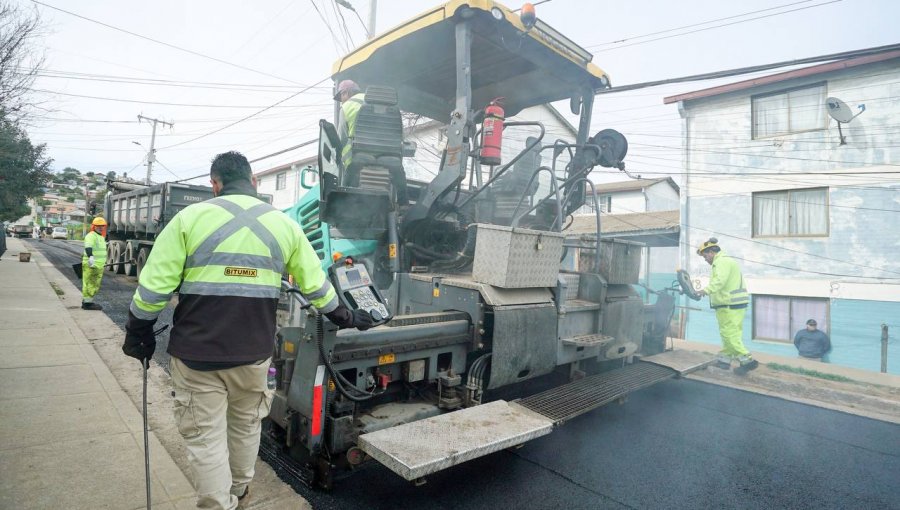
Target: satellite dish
(839, 111)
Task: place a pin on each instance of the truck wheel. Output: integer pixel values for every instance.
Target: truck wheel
(120, 256)
(130, 265)
(111, 256)
(143, 253)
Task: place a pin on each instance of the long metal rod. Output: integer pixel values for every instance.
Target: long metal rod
(144, 364)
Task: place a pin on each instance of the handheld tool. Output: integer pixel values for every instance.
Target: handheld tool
(145, 364)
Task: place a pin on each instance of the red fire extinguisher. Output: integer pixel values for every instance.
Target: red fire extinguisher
(492, 133)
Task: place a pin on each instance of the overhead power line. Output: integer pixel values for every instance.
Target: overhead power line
(753, 69)
(722, 25)
(651, 34)
(323, 80)
(157, 41)
(191, 105)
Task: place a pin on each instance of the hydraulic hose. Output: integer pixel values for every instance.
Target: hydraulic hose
(339, 380)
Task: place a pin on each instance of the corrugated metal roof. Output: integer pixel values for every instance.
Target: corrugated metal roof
(788, 75)
(656, 221)
(631, 185)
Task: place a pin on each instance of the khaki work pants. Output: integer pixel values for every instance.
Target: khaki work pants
(219, 415)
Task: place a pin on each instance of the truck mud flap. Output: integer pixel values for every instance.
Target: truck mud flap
(423, 447)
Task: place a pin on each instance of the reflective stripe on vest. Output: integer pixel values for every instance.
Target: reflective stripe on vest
(205, 254)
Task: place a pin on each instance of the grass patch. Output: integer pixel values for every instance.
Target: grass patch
(810, 373)
(57, 289)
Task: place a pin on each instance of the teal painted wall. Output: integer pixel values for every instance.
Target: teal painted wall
(855, 333)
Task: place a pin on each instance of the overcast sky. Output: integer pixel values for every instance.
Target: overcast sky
(278, 47)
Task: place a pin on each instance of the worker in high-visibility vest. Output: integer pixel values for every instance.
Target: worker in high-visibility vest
(92, 262)
(729, 298)
(228, 255)
(352, 99)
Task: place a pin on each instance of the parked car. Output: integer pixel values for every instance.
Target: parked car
(59, 233)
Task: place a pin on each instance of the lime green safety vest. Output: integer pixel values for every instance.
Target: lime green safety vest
(97, 244)
(234, 246)
(347, 124)
(726, 284)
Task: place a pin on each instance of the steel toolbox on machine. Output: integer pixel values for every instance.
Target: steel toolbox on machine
(513, 258)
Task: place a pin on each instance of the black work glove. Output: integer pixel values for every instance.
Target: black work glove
(345, 318)
(140, 341)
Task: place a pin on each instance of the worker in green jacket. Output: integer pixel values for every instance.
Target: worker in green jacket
(228, 255)
(352, 99)
(92, 262)
(729, 298)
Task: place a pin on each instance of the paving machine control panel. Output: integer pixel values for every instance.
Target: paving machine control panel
(355, 288)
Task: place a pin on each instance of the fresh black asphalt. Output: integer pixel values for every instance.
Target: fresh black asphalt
(679, 444)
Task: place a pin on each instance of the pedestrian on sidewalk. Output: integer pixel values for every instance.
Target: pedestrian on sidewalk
(92, 263)
(811, 342)
(729, 298)
(228, 254)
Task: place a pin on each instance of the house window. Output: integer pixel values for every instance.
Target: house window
(281, 180)
(778, 318)
(790, 111)
(791, 213)
(605, 202)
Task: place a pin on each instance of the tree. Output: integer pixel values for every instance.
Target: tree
(19, 63)
(24, 170)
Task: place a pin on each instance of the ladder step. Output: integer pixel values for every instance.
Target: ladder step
(588, 340)
(566, 402)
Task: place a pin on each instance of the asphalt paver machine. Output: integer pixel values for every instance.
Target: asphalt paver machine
(483, 341)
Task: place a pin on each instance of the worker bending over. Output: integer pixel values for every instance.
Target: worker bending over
(228, 254)
(92, 262)
(729, 298)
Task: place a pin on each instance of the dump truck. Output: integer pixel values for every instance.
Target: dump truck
(483, 341)
(137, 213)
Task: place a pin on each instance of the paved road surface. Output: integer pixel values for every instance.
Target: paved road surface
(679, 444)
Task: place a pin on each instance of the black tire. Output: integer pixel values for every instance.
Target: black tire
(130, 263)
(111, 256)
(120, 256)
(143, 253)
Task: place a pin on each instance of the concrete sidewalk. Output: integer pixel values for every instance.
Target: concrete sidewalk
(849, 390)
(69, 436)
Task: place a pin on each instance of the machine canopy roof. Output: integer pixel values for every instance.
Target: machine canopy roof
(526, 67)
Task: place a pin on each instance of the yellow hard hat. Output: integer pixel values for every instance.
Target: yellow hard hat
(99, 222)
(705, 245)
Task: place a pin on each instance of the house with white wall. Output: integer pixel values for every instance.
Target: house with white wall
(809, 211)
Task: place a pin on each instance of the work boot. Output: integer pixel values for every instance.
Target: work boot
(244, 500)
(90, 306)
(723, 361)
(747, 364)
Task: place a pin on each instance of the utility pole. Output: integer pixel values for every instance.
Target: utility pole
(373, 6)
(151, 156)
(84, 223)
(884, 344)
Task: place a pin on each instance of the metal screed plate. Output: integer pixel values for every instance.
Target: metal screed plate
(417, 449)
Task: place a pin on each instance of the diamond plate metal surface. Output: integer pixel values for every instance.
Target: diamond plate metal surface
(516, 258)
(417, 449)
